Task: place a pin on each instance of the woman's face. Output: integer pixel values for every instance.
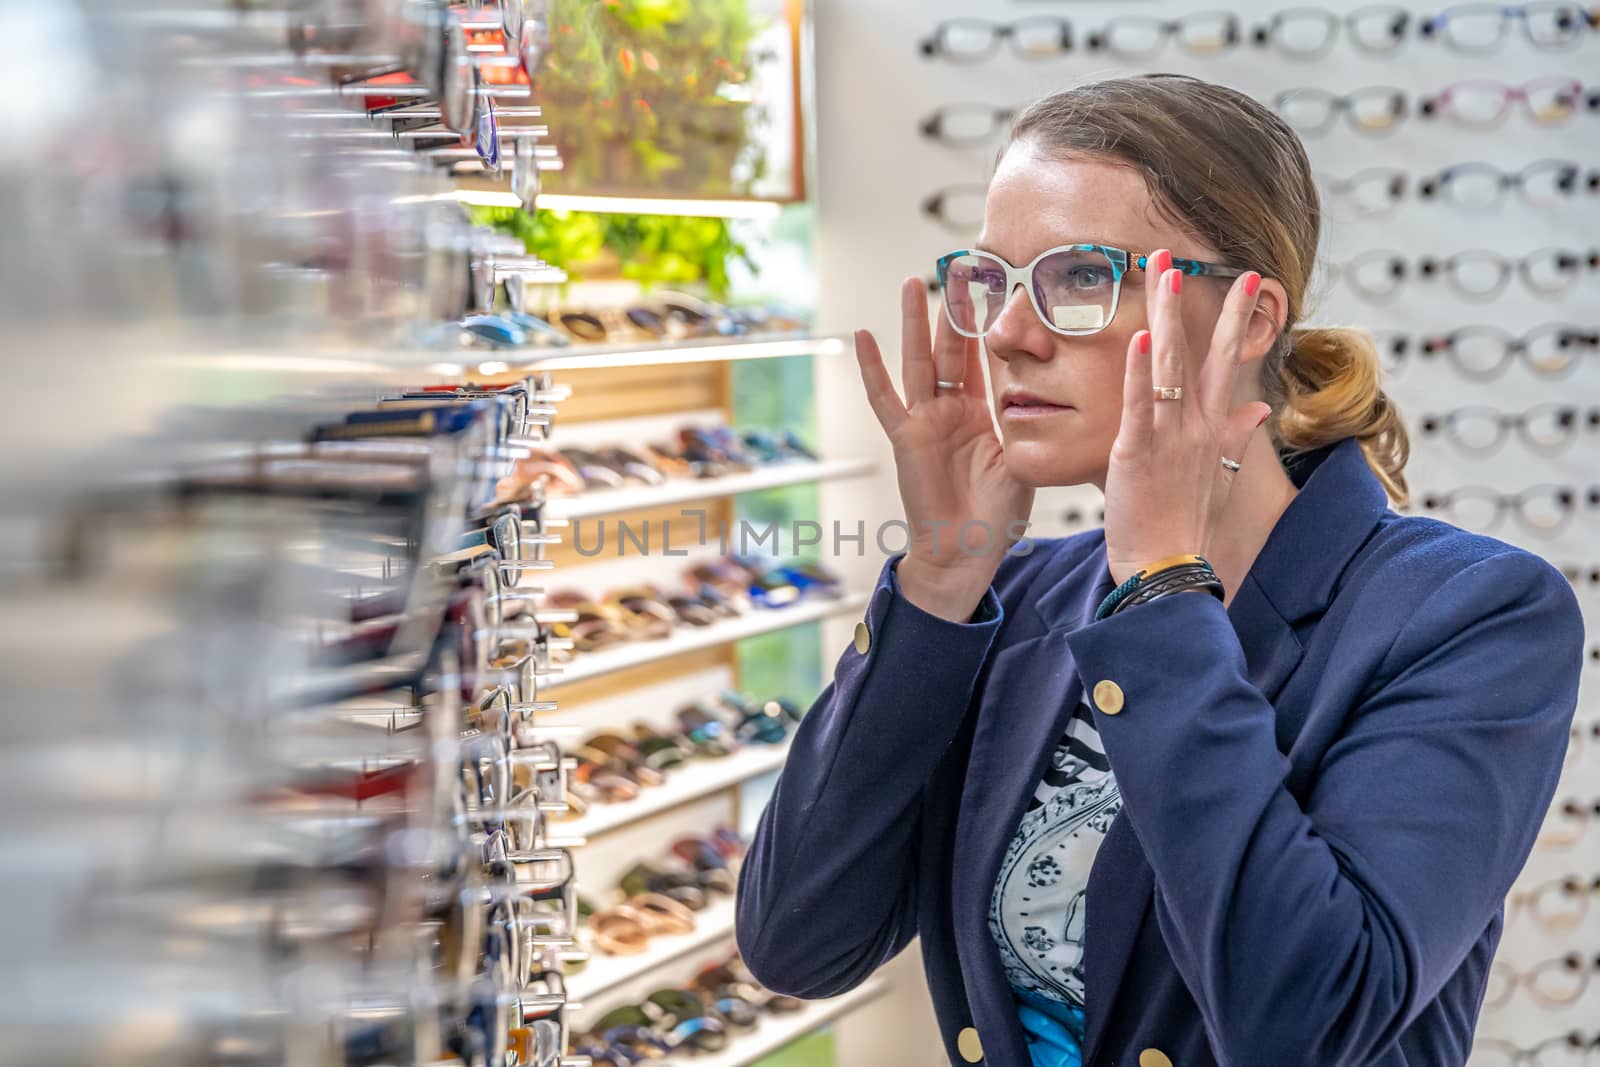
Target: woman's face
(1058, 399)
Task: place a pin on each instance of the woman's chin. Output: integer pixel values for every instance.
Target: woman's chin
(1038, 465)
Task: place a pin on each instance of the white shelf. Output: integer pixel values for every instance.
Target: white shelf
(695, 350)
(699, 778)
(606, 972)
(776, 1031)
(692, 639)
(681, 490)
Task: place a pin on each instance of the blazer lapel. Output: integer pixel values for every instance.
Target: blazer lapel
(1028, 699)
(1121, 883)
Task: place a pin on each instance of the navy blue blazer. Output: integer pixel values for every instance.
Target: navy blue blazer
(1328, 788)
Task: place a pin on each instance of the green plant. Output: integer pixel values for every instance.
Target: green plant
(646, 94)
(653, 249)
(675, 250)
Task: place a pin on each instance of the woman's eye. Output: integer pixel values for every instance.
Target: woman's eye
(1087, 278)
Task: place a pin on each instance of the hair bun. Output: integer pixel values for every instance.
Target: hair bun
(1333, 389)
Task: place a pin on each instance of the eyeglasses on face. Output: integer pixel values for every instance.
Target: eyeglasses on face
(966, 124)
(1074, 288)
(1480, 28)
(1544, 183)
(1374, 111)
(1309, 32)
(1142, 36)
(969, 40)
(1485, 104)
(1482, 353)
(1543, 428)
(1541, 509)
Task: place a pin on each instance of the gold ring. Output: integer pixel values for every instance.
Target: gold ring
(940, 383)
(1169, 392)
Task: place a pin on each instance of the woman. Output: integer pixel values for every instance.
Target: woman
(1157, 827)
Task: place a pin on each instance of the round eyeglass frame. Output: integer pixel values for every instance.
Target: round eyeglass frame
(1122, 262)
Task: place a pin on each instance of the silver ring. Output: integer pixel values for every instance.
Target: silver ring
(1231, 464)
(1169, 392)
(940, 383)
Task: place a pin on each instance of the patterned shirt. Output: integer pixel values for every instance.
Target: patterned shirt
(1036, 915)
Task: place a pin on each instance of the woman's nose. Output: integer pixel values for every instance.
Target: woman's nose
(1017, 329)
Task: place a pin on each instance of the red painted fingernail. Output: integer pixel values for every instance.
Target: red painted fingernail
(1144, 342)
(1177, 281)
(1163, 261)
(1252, 282)
(1264, 418)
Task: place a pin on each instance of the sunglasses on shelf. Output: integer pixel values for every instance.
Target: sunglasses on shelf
(1558, 904)
(1378, 275)
(968, 40)
(1469, 186)
(1371, 192)
(1571, 1049)
(1546, 428)
(1486, 104)
(1553, 982)
(1135, 37)
(1540, 509)
(1310, 32)
(966, 124)
(1374, 111)
(1477, 29)
(1544, 183)
(1483, 352)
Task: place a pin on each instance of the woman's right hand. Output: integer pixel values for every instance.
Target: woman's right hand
(964, 508)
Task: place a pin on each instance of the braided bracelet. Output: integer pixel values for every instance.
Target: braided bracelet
(1176, 580)
(1161, 573)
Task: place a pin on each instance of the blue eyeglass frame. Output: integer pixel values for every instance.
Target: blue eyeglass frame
(1122, 262)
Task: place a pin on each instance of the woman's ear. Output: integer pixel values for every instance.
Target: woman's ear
(1266, 321)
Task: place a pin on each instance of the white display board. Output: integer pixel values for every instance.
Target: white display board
(875, 169)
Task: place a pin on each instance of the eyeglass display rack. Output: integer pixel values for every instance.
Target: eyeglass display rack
(284, 793)
(637, 395)
(1404, 97)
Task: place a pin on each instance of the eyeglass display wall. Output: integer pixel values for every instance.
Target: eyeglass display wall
(308, 731)
(275, 783)
(1455, 149)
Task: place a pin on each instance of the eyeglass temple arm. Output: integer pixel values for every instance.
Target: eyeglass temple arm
(1189, 266)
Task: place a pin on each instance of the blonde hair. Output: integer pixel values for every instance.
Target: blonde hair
(1227, 169)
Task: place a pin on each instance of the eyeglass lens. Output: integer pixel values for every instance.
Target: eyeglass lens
(1072, 290)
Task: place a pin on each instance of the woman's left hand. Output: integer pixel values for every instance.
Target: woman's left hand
(1166, 486)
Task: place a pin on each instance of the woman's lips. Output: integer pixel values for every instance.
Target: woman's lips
(1030, 407)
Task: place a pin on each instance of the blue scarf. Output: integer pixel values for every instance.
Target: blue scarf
(1055, 1030)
